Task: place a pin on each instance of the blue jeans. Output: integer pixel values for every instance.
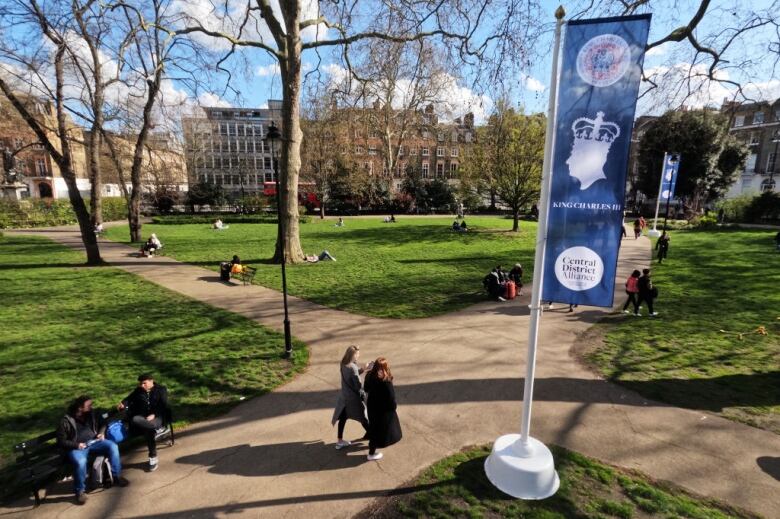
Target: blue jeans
(79, 458)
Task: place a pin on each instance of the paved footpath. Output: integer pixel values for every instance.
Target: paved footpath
(459, 382)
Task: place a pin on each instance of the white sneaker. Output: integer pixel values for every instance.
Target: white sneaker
(153, 464)
(375, 457)
(637, 314)
(653, 314)
(342, 443)
(550, 307)
(626, 311)
(501, 299)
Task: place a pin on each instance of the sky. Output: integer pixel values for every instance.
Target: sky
(667, 64)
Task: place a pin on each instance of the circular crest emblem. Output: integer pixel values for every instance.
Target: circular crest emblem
(603, 60)
(579, 268)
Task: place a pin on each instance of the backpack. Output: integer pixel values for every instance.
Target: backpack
(116, 431)
(100, 474)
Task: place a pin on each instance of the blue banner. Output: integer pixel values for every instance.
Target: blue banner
(671, 167)
(598, 86)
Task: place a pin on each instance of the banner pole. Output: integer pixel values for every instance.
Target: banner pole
(654, 232)
(541, 238)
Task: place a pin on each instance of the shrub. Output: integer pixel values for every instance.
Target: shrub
(48, 212)
(764, 208)
(734, 209)
(208, 219)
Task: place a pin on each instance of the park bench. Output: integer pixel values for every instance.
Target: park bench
(39, 461)
(246, 275)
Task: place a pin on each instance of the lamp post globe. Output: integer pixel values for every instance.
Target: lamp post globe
(272, 139)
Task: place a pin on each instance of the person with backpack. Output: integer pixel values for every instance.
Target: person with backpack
(81, 434)
(647, 292)
(662, 246)
(632, 290)
(351, 397)
(637, 229)
(147, 405)
(384, 428)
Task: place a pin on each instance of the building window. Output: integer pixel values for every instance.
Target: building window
(424, 170)
(371, 149)
(454, 170)
(768, 184)
(754, 138)
(400, 151)
(439, 151)
(359, 150)
(440, 137)
(777, 114)
(267, 163)
(739, 121)
(439, 170)
(412, 151)
(454, 152)
(468, 137)
(40, 166)
(758, 118)
(424, 151)
(770, 163)
(373, 134)
(750, 164)
(426, 134)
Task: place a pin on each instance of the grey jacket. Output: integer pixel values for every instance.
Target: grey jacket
(351, 395)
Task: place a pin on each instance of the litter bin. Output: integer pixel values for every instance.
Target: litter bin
(224, 271)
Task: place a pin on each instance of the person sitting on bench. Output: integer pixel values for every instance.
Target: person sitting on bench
(235, 265)
(81, 434)
(146, 407)
(152, 244)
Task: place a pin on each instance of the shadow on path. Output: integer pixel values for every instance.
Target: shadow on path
(770, 465)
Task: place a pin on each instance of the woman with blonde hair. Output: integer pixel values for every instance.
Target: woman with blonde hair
(384, 429)
(350, 402)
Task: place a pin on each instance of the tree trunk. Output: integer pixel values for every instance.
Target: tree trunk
(134, 215)
(492, 200)
(515, 220)
(322, 210)
(95, 195)
(290, 66)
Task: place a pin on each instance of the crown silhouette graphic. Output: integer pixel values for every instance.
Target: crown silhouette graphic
(592, 140)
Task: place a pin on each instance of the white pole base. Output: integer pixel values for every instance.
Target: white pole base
(654, 233)
(525, 471)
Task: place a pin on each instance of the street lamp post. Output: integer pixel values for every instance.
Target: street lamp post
(272, 139)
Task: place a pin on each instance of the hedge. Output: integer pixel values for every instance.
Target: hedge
(208, 219)
(48, 212)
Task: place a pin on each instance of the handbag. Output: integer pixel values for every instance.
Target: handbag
(654, 292)
(117, 431)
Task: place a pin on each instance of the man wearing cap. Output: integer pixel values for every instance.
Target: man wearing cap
(146, 407)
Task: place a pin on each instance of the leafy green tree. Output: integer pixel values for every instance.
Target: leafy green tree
(205, 193)
(507, 159)
(710, 158)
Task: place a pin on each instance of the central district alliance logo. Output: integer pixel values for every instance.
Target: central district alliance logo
(603, 60)
(579, 268)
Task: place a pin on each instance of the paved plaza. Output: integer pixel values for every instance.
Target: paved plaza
(459, 382)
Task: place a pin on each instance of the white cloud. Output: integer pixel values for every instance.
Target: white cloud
(209, 99)
(531, 83)
(267, 70)
(656, 51)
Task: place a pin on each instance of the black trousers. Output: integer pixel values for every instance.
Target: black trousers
(646, 298)
(343, 422)
(147, 428)
(633, 298)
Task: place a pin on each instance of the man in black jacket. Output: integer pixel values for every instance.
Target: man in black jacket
(146, 407)
(81, 434)
(646, 292)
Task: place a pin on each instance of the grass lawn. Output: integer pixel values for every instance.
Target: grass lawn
(706, 350)
(69, 330)
(457, 487)
(417, 267)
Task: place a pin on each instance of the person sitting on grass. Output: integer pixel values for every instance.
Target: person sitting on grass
(218, 225)
(80, 434)
(152, 245)
(456, 226)
(146, 406)
(392, 218)
(463, 226)
(99, 229)
(340, 223)
(494, 285)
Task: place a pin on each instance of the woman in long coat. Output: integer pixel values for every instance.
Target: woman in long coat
(384, 429)
(350, 401)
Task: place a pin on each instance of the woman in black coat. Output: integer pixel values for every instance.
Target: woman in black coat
(384, 429)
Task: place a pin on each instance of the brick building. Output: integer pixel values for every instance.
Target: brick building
(758, 126)
(415, 139)
(40, 175)
(225, 147)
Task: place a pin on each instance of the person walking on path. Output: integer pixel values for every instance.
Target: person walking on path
(662, 246)
(637, 229)
(350, 402)
(384, 429)
(647, 292)
(632, 290)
